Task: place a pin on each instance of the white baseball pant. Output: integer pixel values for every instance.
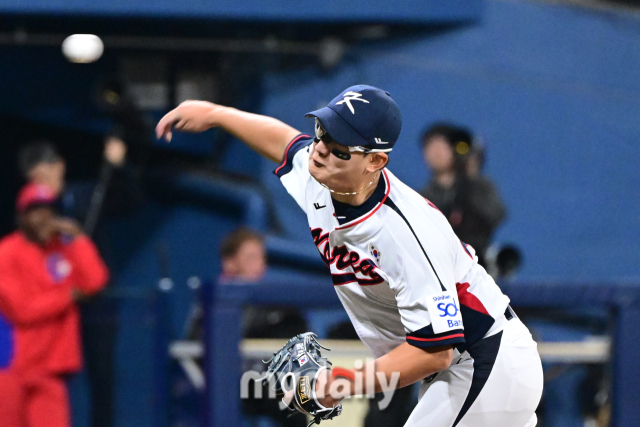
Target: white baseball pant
(495, 383)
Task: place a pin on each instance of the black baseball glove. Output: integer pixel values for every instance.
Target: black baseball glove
(295, 368)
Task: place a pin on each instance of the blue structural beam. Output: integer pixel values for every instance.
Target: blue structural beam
(223, 333)
(571, 295)
(626, 373)
(381, 11)
(225, 309)
(244, 201)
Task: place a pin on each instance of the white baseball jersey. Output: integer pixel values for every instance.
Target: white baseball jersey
(399, 269)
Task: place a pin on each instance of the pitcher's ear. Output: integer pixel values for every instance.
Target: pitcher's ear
(377, 161)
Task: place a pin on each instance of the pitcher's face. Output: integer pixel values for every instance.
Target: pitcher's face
(328, 164)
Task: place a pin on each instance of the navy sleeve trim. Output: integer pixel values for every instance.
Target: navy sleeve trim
(298, 143)
(426, 338)
(458, 339)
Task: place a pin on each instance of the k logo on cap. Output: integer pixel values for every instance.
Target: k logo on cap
(352, 96)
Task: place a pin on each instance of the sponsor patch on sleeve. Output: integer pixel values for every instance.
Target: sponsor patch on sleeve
(444, 311)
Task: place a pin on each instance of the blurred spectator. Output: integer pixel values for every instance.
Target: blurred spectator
(243, 256)
(467, 198)
(41, 163)
(45, 267)
(115, 194)
(244, 260)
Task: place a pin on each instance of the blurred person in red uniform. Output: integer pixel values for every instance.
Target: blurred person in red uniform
(45, 267)
(40, 162)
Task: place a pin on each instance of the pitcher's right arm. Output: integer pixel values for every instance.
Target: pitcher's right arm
(269, 137)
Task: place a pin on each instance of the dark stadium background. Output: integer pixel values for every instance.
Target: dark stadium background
(551, 87)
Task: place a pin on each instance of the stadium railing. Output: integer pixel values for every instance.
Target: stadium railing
(223, 353)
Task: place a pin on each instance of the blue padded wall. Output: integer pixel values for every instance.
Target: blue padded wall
(551, 90)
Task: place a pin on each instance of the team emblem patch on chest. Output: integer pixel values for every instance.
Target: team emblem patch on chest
(58, 267)
(375, 253)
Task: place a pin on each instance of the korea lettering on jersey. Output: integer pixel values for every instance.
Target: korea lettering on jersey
(396, 265)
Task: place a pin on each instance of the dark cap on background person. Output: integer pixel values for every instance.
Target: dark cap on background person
(458, 137)
(36, 152)
(32, 195)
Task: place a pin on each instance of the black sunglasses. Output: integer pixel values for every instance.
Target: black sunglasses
(322, 134)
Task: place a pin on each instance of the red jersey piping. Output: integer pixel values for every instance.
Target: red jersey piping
(436, 339)
(284, 160)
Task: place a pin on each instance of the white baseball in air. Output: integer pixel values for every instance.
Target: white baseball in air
(82, 48)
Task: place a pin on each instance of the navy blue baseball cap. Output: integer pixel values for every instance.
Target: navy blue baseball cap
(362, 115)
